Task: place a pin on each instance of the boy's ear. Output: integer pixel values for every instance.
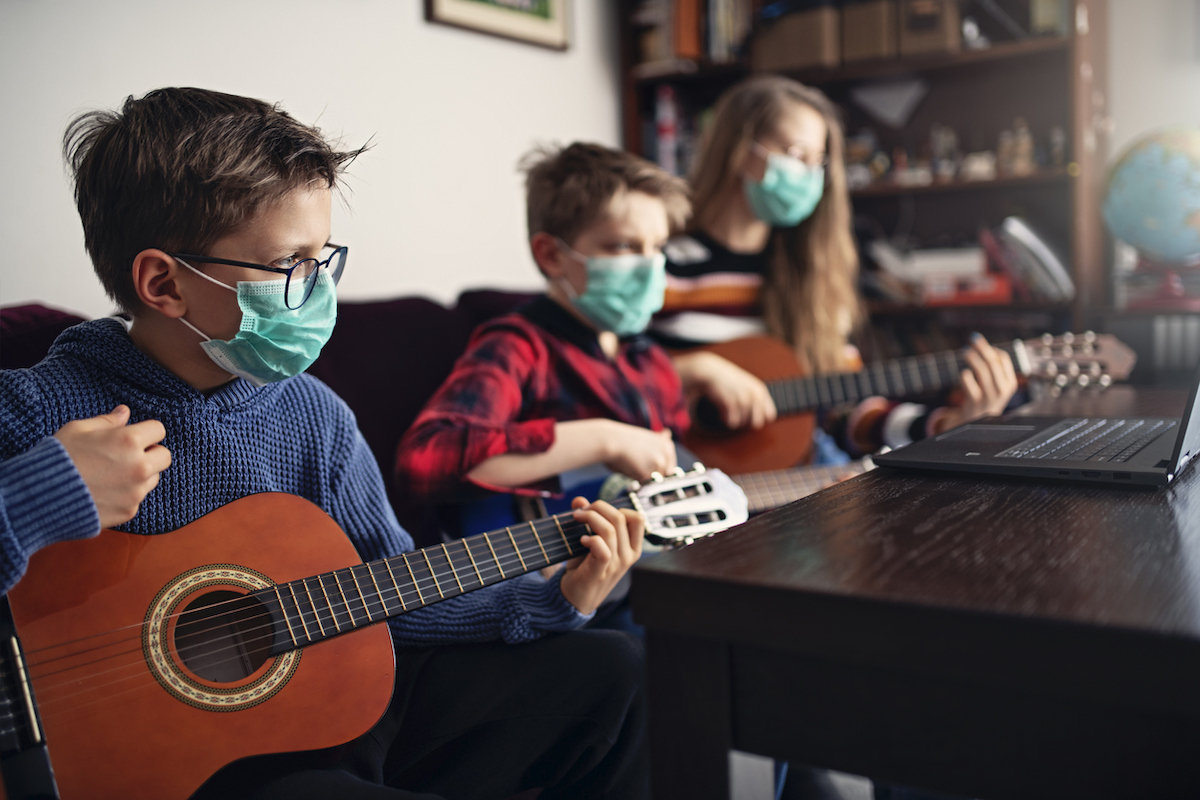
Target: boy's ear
(153, 276)
(547, 254)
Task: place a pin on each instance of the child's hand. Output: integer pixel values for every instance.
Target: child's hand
(637, 452)
(742, 399)
(612, 550)
(986, 387)
(119, 463)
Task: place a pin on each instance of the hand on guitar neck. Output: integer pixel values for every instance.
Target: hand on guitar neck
(741, 398)
(119, 463)
(614, 545)
(985, 388)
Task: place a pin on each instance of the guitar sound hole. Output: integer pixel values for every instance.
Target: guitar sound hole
(223, 636)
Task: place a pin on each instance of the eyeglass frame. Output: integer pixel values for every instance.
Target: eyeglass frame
(791, 153)
(285, 271)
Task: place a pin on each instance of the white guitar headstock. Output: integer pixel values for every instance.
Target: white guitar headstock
(686, 506)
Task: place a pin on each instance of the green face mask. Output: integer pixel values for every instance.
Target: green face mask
(273, 342)
(622, 293)
(788, 192)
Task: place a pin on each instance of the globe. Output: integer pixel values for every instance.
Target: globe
(1152, 201)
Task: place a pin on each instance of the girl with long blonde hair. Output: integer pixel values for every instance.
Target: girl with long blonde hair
(771, 250)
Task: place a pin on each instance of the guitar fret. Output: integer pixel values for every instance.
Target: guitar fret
(436, 585)
(915, 372)
(378, 591)
(387, 562)
(283, 610)
(470, 555)
(538, 539)
(453, 571)
(520, 557)
(836, 389)
(495, 558)
(332, 610)
(312, 602)
(299, 610)
(362, 597)
(413, 575)
(337, 580)
(563, 534)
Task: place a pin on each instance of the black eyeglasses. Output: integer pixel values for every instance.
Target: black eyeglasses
(301, 276)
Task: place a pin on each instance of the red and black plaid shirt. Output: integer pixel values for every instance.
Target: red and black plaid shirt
(521, 374)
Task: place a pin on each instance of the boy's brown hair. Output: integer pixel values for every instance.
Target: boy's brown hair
(566, 189)
(182, 168)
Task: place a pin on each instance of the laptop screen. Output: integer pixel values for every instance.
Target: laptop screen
(1189, 438)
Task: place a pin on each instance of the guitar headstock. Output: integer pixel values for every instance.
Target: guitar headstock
(1086, 360)
(688, 505)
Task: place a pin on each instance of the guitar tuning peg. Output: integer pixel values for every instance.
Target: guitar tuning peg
(1068, 337)
(697, 467)
(1067, 351)
(1047, 339)
(1088, 350)
(1104, 381)
(1083, 380)
(1060, 381)
(678, 472)
(1050, 368)
(1072, 369)
(657, 477)
(1089, 337)
(634, 486)
(1094, 369)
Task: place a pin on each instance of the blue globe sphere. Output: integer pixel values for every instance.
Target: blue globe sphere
(1152, 201)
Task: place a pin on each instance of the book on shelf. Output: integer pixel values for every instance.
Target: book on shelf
(673, 35)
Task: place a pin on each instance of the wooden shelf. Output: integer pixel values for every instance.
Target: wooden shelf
(887, 308)
(683, 70)
(1001, 51)
(886, 189)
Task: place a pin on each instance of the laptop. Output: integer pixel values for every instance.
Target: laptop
(1150, 451)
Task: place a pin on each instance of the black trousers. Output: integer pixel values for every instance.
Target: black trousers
(566, 713)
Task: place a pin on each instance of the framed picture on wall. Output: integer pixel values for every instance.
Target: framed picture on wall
(540, 22)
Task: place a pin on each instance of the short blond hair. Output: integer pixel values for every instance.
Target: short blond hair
(567, 188)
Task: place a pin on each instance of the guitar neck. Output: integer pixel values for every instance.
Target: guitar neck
(775, 488)
(319, 607)
(902, 377)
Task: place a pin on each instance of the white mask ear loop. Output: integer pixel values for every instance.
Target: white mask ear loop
(561, 280)
(199, 332)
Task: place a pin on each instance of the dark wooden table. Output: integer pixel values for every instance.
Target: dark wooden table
(995, 638)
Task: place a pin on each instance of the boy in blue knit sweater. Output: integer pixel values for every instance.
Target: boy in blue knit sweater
(207, 217)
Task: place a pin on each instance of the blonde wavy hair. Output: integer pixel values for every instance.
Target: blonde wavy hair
(810, 298)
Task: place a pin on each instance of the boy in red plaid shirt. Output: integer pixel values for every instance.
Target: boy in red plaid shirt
(569, 380)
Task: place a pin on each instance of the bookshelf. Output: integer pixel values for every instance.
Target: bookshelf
(1049, 81)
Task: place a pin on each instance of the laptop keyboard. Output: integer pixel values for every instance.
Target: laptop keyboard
(1110, 440)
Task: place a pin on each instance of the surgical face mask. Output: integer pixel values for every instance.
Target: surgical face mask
(622, 293)
(788, 192)
(274, 342)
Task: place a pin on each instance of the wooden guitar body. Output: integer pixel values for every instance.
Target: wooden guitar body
(124, 715)
(783, 443)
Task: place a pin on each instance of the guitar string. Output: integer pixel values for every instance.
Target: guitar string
(43, 689)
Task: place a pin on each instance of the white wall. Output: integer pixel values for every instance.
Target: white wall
(1154, 63)
(437, 204)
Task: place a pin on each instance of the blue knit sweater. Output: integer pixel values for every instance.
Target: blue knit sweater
(295, 436)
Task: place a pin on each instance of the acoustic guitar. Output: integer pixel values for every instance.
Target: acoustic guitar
(1088, 360)
(150, 662)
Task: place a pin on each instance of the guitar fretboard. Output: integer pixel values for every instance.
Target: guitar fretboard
(321, 606)
(775, 488)
(903, 377)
